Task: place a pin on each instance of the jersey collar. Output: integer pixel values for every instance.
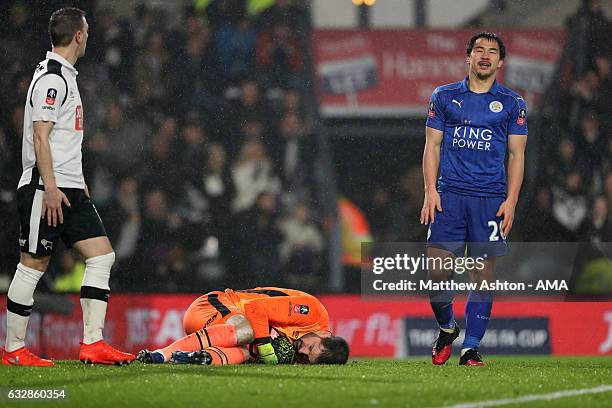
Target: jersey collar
(63, 61)
(465, 87)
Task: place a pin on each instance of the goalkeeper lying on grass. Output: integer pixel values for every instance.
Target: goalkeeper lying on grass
(267, 324)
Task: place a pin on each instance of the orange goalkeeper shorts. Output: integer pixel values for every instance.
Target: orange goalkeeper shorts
(207, 310)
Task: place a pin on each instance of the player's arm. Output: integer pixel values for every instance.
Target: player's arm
(270, 311)
(516, 169)
(517, 140)
(46, 99)
(431, 164)
(53, 196)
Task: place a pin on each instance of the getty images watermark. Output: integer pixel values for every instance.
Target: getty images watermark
(565, 271)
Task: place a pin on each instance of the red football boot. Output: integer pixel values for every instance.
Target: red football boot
(443, 347)
(101, 353)
(471, 358)
(23, 357)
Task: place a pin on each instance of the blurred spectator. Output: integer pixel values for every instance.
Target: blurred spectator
(122, 218)
(597, 227)
(152, 68)
(127, 138)
(292, 102)
(145, 21)
(250, 105)
(243, 120)
(379, 214)
(282, 12)
(538, 223)
(602, 100)
(301, 248)
(114, 48)
(406, 208)
(9, 176)
(278, 56)
(156, 250)
(218, 187)
(608, 189)
(606, 166)
(10, 147)
(256, 238)
(589, 23)
(235, 44)
(98, 170)
(161, 168)
(17, 35)
(71, 275)
(584, 88)
(565, 161)
(197, 72)
(251, 129)
(592, 144)
(570, 205)
(253, 174)
(295, 157)
(192, 208)
(192, 150)
(219, 12)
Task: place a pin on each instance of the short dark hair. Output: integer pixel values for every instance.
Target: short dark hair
(336, 351)
(489, 36)
(63, 24)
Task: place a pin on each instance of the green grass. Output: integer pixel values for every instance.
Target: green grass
(361, 383)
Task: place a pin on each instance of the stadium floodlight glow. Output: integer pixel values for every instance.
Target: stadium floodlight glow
(368, 3)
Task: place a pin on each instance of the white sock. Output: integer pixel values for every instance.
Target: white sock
(463, 350)
(19, 305)
(94, 314)
(94, 296)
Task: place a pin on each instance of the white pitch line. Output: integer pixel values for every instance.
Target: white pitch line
(534, 397)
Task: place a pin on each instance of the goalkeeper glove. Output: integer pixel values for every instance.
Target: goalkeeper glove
(267, 355)
(283, 350)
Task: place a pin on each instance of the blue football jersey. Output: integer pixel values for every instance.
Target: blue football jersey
(476, 129)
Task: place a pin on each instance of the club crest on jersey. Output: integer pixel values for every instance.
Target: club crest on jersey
(496, 106)
(432, 111)
(521, 117)
(51, 94)
(301, 309)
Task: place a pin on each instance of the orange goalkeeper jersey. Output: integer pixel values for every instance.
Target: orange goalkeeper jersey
(291, 312)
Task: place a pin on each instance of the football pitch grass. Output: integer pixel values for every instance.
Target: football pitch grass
(361, 383)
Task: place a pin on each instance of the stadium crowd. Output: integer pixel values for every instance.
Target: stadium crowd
(198, 154)
(571, 199)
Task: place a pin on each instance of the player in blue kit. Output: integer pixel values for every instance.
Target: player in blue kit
(471, 125)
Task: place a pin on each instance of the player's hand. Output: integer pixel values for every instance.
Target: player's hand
(52, 206)
(431, 203)
(87, 191)
(506, 211)
(284, 350)
(267, 355)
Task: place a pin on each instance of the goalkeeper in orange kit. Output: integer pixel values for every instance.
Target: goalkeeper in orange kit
(266, 324)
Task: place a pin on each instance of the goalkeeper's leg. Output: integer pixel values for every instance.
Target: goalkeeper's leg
(237, 331)
(228, 355)
(222, 335)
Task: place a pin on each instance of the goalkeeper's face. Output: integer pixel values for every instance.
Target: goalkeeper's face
(308, 348)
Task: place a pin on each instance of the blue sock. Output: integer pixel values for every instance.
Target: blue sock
(477, 315)
(442, 306)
